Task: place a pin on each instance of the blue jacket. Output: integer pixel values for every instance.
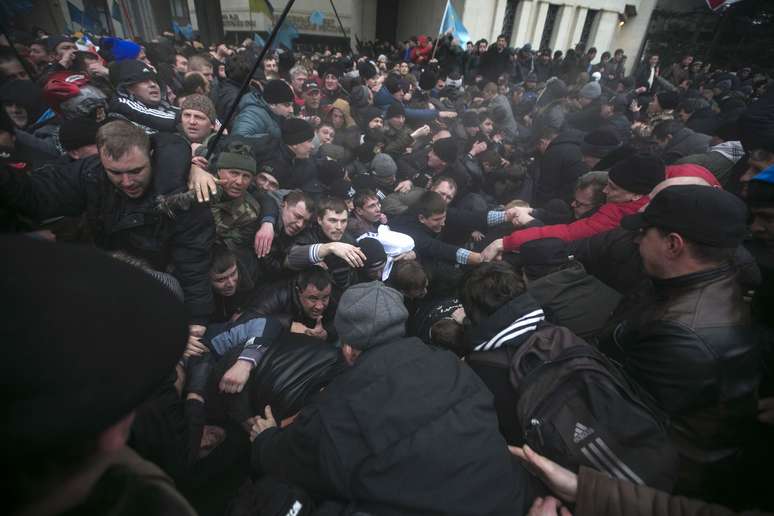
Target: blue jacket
(382, 99)
(255, 118)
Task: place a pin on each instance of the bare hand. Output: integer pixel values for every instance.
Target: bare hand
(447, 114)
(404, 186)
(493, 252)
(459, 315)
(236, 377)
(97, 68)
(68, 56)
(318, 331)
(422, 131)
(563, 482)
(548, 506)
(477, 236)
(410, 255)
(354, 256)
(262, 423)
(263, 239)
(194, 347)
(297, 327)
(478, 148)
(203, 183)
(199, 161)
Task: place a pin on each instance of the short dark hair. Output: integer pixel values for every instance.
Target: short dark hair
(597, 180)
(362, 197)
(429, 204)
(223, 259)
(488, 287)
(294, 197)
(330, 203)
(437, 180)
(116, 138)
(667, 128)
(315, 276)
(408, 275)
(448, 334)
(239, 66)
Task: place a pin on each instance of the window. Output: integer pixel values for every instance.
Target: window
(548, 28)
(591, 16)
(508, 20)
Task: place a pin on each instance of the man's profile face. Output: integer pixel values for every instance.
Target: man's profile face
(302, 150)
(270, 66)
(196, 125)
(583, 202)
(299, 80)
(433, 161)
(371, 210)
(295, 217)
(130, 173)
(266, 182)
(434, 223)
(147, 91)
(616, 194)
(226, 282)
(282, 110)
(446, 191)
(38, 53)
(333, 224)
(314, 301)
(63, 48)
(181, 64)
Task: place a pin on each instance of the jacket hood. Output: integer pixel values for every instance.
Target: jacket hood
(511, 325)
(343, 106)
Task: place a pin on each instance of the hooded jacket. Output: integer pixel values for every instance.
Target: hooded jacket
(255, 118)
(684, 143)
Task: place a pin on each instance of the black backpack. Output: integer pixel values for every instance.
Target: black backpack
(578, 408)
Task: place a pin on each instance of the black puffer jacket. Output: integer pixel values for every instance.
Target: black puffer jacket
(383, 433)
(696, 352)
(684, 143)
(135, 226)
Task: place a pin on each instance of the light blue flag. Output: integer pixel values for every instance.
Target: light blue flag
(258, 40)
(317, 18)
(286, 35)
(452, 20)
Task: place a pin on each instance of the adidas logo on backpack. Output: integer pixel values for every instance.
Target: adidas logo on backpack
(581, 432)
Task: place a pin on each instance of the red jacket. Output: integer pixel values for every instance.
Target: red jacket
(606, 218)
(422, 52)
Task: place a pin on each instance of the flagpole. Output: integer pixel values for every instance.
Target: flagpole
(341, 26)
(440, 30)
(246, 83)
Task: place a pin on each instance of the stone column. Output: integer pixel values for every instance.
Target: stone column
(560, 38)
(606, 30)
(580, 21)
(540, 22)
(521, 26)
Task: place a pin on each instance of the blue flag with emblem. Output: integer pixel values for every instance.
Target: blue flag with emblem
(451, 20)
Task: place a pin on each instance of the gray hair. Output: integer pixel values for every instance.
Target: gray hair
(297, 70)
(596, 180)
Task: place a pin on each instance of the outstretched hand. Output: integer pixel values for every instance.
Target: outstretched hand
(562, 482)
(493, 252)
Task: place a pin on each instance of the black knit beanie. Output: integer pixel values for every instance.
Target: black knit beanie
(446, 149)
(295, 131)
(638, 174)
(75, 133)
(277, 92)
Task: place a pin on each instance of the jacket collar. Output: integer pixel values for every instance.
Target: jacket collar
(693, 279)
(511, 325)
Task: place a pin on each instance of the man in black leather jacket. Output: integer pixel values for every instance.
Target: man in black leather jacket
(118, 191)
(693, 349)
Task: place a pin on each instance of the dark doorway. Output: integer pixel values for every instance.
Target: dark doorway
(386, 19)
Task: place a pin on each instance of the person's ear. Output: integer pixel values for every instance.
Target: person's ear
(675, 245)
(114, 437)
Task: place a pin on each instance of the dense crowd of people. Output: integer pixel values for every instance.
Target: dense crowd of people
(422, 278)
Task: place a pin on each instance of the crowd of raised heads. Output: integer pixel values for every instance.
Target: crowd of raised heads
(403, 279)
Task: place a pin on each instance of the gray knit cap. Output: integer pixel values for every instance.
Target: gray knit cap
(383, 165)
(591, 90)
(370, 314)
